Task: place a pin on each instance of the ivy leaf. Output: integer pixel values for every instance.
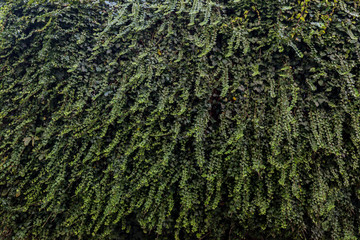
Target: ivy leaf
(27, 140)
(73, 68)
(286, 8)
(255, 71)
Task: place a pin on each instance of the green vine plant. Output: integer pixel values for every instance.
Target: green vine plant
(178, 119)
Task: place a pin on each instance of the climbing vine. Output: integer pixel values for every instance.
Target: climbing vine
(178, 119)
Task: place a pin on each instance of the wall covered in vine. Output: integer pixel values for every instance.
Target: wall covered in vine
(179, 119)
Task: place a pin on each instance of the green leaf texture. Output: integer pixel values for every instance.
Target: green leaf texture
(178, 119)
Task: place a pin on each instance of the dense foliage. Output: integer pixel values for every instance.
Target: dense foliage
(180, 119)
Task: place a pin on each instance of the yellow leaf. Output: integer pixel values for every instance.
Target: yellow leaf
(159, 52)
(17, 193)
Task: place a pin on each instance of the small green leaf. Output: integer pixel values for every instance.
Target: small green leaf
(73, 68)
